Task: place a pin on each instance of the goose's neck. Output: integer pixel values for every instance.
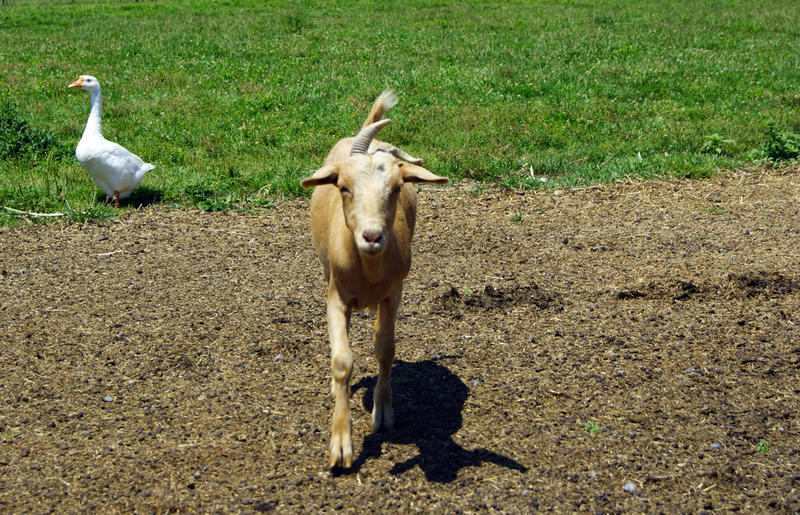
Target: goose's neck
(93, 123)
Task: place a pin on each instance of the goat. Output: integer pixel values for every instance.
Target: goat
(363, 212)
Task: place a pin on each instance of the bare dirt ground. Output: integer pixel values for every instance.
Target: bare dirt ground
(552, 348)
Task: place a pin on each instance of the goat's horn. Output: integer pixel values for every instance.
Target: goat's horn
(405, 156)
(366, 135)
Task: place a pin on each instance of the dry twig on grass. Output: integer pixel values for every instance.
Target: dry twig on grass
(31, 213)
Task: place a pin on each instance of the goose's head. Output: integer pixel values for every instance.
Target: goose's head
(86, 82)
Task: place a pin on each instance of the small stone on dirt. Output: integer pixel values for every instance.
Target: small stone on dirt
(265, 505)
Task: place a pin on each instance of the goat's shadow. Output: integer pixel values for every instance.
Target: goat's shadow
(428, 400)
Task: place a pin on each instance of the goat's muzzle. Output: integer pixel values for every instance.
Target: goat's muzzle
(374, 241)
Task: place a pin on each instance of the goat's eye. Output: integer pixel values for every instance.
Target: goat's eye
(396, 190)
(344, 190)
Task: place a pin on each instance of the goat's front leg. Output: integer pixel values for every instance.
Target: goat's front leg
(341, 448)
(382, 413)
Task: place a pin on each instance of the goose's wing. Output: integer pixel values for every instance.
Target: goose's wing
(113, 165)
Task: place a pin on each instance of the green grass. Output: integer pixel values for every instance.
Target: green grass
(235, 101)
(591, 427)
(10, 435)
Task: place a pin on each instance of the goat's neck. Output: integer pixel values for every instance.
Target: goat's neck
(373, 267)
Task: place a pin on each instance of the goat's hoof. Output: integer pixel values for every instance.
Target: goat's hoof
(382, 418)
(341, 452)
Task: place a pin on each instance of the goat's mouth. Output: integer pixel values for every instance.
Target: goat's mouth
(371, 248)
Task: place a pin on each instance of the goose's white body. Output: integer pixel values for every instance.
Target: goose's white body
(116, 170)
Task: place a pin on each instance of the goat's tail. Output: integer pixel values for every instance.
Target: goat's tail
(383, 103)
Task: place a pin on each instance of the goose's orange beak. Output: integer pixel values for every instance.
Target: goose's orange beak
(78, 83)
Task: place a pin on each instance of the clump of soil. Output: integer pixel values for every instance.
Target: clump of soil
(492, 298)
(631, 347)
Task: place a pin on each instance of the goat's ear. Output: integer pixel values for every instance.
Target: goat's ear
(328, 174)
(414, 173)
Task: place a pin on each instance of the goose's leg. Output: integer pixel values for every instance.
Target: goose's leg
(116, 198)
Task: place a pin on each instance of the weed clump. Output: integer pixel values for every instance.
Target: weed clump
(19, 139)
(779, 146)
(715, 144)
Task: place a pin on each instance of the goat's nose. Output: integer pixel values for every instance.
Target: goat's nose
(372, 236)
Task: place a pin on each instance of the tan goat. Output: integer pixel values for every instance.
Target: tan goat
(362, 220)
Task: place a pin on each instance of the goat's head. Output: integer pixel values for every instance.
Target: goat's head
(370, 185)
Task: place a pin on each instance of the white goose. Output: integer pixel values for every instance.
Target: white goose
(116, 170)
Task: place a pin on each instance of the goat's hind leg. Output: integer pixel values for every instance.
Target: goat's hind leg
(382, 413)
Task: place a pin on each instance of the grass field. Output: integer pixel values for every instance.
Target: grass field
(234, 101)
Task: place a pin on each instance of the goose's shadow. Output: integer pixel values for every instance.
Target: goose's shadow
(428, 399)
(140, 197)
